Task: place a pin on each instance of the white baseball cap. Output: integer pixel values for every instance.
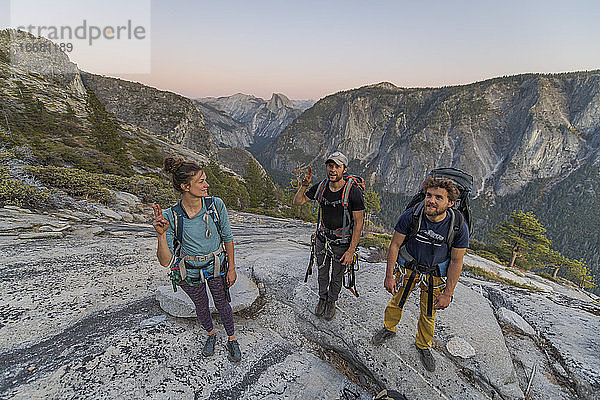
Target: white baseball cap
(338, 157)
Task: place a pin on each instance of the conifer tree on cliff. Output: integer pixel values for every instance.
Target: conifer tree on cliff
(254, 182)
(580, 273)
(521, 235)
(555, 260)
(372, 204)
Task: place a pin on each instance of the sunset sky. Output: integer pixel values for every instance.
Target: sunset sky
(308, 49)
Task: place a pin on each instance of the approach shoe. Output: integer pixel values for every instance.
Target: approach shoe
(427, 359)
(233, 351)
(320, 308)
(209, 346)
(329, 312)
(381, 336)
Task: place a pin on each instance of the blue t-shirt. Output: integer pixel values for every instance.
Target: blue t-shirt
(195, 241)
(429, 246)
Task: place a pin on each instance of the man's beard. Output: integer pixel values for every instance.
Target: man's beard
(436, 212)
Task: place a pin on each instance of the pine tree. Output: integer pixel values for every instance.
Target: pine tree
(254, 183)
(522, 235)
(105, 133)
(580, 273)
(270, 196)
(555, 260)
(104, 129)
(372, 204)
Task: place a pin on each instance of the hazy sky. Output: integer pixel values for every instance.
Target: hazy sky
(308, 49)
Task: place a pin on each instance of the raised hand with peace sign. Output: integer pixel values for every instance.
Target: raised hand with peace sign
(159, 223)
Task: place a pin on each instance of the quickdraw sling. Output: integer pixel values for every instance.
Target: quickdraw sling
(348, 277)
(312, 258)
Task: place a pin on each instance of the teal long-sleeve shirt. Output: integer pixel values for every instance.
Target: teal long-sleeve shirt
(195, 241)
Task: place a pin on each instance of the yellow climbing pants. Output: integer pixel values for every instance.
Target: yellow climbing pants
(393, 312)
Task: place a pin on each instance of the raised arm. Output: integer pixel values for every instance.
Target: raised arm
(300, 198)
(160, 224)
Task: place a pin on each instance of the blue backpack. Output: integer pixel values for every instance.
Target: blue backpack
(178, 263)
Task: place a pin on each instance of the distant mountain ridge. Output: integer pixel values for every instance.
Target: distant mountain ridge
(162, 112)
(53, 114)
(531, 141)
(167, 114)
(243, 120)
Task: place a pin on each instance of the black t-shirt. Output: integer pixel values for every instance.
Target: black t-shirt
(333, 216)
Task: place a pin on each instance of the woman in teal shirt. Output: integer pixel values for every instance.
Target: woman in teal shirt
(202, 243)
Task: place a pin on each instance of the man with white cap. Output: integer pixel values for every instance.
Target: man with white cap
(338, 228)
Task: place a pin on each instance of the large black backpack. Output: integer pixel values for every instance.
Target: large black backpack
(460, 211)
(464, 184)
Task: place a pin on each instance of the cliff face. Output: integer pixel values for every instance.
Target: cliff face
(41, 58)
(164, 113)
(175, 117)
(226, 131)
(48, 110)
(530, 141)
(506, 132)
(242, 120)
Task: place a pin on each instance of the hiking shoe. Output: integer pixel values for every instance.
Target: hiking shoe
(427, 359)
(329, 312)
(233, 350)
(381, 336)
(320, 308)
(209, 346)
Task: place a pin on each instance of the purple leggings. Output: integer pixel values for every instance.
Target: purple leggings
(200, 298)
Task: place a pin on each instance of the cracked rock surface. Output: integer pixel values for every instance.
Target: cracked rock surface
(79, 319)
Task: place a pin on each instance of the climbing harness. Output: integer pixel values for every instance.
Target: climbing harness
(349, 273)
(460, 213)
(341, 235)
(179, 262)
(426, 273)
(425, 279)
(329, 254)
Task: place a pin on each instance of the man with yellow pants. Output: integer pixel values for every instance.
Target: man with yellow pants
(429, 243)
